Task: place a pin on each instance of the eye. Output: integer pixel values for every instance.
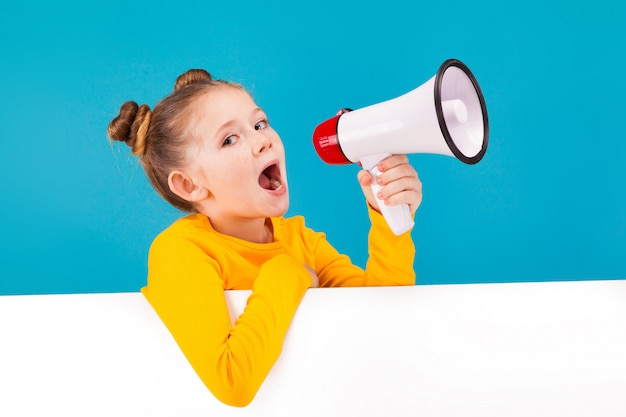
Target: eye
(261, 124)
(230, 140)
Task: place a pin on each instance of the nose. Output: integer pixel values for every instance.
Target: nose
(261, 143)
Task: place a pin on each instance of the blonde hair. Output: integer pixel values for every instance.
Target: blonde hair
(159, 138)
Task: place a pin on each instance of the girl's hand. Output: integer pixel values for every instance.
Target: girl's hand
(315, 281)
(399, 180)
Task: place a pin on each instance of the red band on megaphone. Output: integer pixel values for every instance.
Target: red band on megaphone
(326, 143)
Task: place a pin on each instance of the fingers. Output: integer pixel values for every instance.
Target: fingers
(342, 111)
(392, 161)
(400, 182)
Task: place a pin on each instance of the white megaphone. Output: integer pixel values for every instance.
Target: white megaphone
(447, 115)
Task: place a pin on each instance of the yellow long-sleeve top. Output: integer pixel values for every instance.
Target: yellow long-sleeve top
(190, 265)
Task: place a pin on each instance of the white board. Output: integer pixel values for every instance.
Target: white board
(524, 349)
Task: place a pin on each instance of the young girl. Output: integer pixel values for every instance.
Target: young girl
(209, 150)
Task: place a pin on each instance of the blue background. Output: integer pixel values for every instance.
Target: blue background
(548, 201)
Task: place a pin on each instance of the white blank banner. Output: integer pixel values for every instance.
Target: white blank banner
(522, 349)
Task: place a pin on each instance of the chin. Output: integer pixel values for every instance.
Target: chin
(281, 208)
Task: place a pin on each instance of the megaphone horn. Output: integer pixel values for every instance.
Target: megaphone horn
(446, 115)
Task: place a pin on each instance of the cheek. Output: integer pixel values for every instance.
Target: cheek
(239, 176)
(229, 177)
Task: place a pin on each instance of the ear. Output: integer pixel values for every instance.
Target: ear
(185, 187)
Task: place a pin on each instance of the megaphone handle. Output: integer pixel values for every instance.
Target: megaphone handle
(398, 217)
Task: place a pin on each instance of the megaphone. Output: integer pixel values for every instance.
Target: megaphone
(446, 115)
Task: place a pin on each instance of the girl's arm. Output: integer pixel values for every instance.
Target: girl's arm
(186, 290)
(390, 258)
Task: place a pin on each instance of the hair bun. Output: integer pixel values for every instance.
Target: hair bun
(119, 128)
(131, 126)
(190, 77)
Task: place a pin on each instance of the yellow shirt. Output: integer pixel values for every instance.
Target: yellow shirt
(190, 265)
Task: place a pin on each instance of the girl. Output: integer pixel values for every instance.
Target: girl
(209, 150)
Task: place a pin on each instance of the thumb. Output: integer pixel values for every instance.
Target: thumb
(365, 180)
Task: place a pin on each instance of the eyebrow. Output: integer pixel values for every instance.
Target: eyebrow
(219, 132)
(232, 122)
(258, 110)
(226, 125)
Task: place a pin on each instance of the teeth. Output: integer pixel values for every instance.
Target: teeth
(275, 184)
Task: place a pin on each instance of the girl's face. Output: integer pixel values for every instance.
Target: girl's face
(238, 158)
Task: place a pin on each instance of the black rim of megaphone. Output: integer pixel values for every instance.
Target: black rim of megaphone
(442, 121)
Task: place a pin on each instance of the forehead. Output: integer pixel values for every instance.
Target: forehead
(224, 102)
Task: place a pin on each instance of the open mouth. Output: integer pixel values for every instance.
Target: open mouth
(270, 178)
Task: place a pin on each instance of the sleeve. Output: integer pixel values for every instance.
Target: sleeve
(390, 259)
(186, 290)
